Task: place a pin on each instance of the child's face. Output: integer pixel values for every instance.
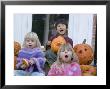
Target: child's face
(66, 55)
(30, 43)
(61, 29)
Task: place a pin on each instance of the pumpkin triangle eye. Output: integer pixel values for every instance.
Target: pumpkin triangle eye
(85, 49)
(89, 62)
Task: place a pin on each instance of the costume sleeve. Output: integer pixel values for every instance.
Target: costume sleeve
(39, 60)
(19, 59)
(69, 40)
(52, 37)
(19, 62)
(40, 57)
(52, 71)
(77, 70)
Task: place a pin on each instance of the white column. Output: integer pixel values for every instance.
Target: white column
(22, 25)
(46, 29)
(80, 28)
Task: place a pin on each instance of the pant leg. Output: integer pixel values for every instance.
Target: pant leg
(50, 56)
(20, 73)
(37, 74)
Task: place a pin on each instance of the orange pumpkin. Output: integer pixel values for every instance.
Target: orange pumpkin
(17, 47)
(87, 74)
(25, 62)
(88, 70)
(15, 62)
(56, 43)
(84, 53)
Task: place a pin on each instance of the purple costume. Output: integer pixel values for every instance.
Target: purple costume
(36, 54)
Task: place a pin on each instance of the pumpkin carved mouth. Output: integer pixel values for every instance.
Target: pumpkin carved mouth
(58, 44)
(84, 53)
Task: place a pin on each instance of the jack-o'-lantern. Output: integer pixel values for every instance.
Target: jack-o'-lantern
(15, 62)
(17, 47)
(88, 70)
(56, 43)
(84, 53)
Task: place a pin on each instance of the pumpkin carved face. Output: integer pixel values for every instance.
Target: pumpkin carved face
(88, 70)
(84, 53)
(56, 43)
(17, 47)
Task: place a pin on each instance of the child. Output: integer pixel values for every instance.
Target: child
(61, 29)
(66, 64)
(30, 60)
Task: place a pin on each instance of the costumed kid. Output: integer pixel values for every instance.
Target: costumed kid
(31, 59)
(55, 41)
(67, 63)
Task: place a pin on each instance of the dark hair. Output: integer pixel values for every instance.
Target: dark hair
(61, 21)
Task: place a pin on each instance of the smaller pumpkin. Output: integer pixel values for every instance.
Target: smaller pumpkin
(84, 53)
(88, 70)
(87, 74)
(17, 47)
(15, 62)
(57, 42)
(25, 62)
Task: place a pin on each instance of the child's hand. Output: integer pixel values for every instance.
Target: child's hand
(49, 43)
(23, 66)
(25, 62)
(31, 62)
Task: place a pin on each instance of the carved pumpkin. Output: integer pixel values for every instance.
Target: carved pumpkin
(17, 47)
(88, 70)
(57, 42)
(15, 62)
(87, 74)
(84, 53)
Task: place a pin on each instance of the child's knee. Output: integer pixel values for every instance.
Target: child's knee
(37, 74)
(19, 73)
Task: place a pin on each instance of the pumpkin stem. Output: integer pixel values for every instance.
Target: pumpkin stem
(84, 41)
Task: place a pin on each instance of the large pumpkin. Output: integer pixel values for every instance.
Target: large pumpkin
(57, 42)
(17, 47)
(15, 62)
(84, 53)
(88, 70)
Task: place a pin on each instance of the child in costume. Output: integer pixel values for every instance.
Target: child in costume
(31, 59)
(61, 27)
(66, 64)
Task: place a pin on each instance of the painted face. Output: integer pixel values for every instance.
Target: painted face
(66, 55)
(30, 43)
(61, 29)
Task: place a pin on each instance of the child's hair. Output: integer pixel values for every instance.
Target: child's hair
(32, 35)
(61, 21)
(63, 47)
